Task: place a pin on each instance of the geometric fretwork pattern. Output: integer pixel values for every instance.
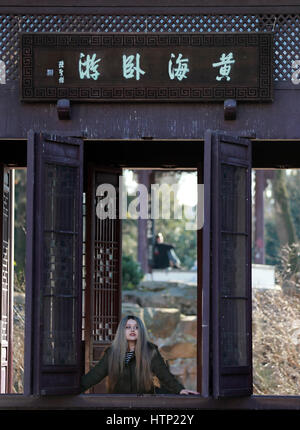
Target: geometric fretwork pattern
(233, 295)
(105, 289)
(285, 28)
(59, 296)
(106, 273)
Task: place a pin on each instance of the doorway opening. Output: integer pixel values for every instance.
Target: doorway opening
(159, 263)
(12, 303)
(19, 279)
(276, 281)
(127, 243)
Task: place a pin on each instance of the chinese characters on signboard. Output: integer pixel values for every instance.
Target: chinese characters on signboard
(88, 66)
(137, 67)
(177, 67)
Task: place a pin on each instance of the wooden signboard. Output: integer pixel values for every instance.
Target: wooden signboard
(146, 67)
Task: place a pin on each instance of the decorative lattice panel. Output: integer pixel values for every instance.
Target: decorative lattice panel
(59, 265)
(105, 285)
(285, 28)
(106, 276)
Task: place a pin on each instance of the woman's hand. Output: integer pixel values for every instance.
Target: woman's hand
(188, 392)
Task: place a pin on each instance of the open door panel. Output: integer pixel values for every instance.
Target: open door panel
(53, 352)
(227, 253)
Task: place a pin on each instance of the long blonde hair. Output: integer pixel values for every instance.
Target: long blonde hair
(142, 356)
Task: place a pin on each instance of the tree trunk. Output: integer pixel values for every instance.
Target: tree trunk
(284, 222)
(260, 185)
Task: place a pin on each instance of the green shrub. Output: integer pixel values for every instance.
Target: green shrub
(132, 273)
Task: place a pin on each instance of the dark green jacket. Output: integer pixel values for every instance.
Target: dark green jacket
(127, 382)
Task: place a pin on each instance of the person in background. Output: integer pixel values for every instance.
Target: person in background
(164, 255)
(131, 363)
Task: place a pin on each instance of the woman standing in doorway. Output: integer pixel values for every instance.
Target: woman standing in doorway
(131, 362)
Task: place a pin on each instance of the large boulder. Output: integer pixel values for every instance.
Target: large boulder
(154, 285)
(188, 325)
(185, 369)
(179, 346)
(161, 322)
(182, 296)
(132, 309)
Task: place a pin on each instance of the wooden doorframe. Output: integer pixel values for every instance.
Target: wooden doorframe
(201, 349)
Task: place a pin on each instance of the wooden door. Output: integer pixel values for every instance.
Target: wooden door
(53, 353)
(227, 262)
